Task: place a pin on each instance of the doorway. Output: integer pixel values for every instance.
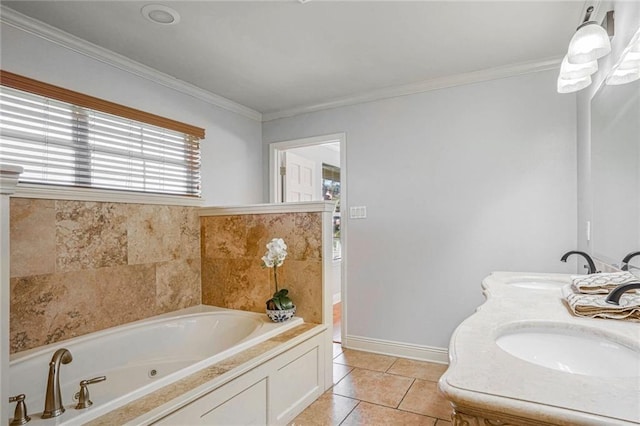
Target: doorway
(313, 169)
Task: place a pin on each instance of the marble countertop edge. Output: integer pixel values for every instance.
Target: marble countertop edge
(520, 411)
(481, 374)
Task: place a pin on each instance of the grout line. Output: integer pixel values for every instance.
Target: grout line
(349, 413)
(406, 393)
(368, 369)
(342, 378)
(392, 364)
(404, 410)
(413, 377)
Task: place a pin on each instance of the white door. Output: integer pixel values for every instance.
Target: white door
(300, 179)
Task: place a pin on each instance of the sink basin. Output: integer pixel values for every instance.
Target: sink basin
(537, 283)
(575, 351)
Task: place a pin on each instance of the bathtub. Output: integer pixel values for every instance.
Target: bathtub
(137, 358)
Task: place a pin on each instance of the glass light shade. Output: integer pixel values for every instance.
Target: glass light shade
(573, 85)
(573, 71)
(623, 76)
(628, 63)
(589, 43)
(630, 60)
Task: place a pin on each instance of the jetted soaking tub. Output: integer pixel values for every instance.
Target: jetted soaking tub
(137, 358)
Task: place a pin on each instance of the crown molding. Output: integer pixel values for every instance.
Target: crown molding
(424, 86)
(40, 29)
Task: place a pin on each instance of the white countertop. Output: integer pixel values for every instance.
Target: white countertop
(482, 376)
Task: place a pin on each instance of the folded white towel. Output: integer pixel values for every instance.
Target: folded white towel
(601, 283)
(595, 305)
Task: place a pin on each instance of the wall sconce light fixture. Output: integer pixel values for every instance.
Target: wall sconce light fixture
(589, 43)
(627, 69)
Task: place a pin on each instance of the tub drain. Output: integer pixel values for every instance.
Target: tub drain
(153, 372)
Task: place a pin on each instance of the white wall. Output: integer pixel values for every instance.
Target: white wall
(627, 20)
(457, 182)
(231, 151)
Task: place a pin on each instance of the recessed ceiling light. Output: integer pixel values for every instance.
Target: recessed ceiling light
(159, 14)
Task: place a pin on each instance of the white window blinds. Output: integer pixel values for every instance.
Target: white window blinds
(59, 143)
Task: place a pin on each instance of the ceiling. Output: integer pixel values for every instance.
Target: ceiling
(279, 55)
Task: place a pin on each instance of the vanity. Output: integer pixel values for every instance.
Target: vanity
(523, 359)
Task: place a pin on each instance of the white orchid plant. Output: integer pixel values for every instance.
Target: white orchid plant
(273, 258)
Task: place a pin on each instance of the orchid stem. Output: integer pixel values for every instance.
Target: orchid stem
(275, 276)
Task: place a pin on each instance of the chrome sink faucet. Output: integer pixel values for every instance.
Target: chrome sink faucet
(627, 259)
(616, 293)
(592, 265)
(53, 406)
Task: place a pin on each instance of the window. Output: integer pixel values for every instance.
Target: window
(76, 144)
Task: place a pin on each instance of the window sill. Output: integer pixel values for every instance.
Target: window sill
(24, 190)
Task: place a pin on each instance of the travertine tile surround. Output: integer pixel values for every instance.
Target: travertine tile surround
(78, 267)
(232, 272)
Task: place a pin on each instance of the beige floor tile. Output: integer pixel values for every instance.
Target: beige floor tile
(337, 349)
(365, 360)
(373, 386)
(329, 409)
(371, 415)
(418, 369)
(425, 398)
(441, 422)
(339, 371)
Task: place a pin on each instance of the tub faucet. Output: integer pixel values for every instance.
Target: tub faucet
(20, 416)
(627, 258)
(616, 293)
(592, 266)
(53, 398)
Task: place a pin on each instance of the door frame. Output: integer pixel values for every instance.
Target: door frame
(275, 149)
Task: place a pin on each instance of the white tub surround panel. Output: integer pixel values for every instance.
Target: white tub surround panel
(485, 382)
(269, 384)
(9, 175)
(273, 393)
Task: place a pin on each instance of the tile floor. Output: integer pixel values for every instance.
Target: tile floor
(371, 389)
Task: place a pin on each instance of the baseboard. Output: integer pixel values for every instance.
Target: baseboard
(337, 298)
(404, 350)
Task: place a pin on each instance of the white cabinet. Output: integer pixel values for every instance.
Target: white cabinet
(274, 392)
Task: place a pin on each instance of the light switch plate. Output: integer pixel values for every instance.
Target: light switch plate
(357, 212)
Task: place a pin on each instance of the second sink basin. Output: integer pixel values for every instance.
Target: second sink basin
(537, 283)
(575, 351)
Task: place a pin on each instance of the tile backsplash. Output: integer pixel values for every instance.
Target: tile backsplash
(78, 267)
(232, 271)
